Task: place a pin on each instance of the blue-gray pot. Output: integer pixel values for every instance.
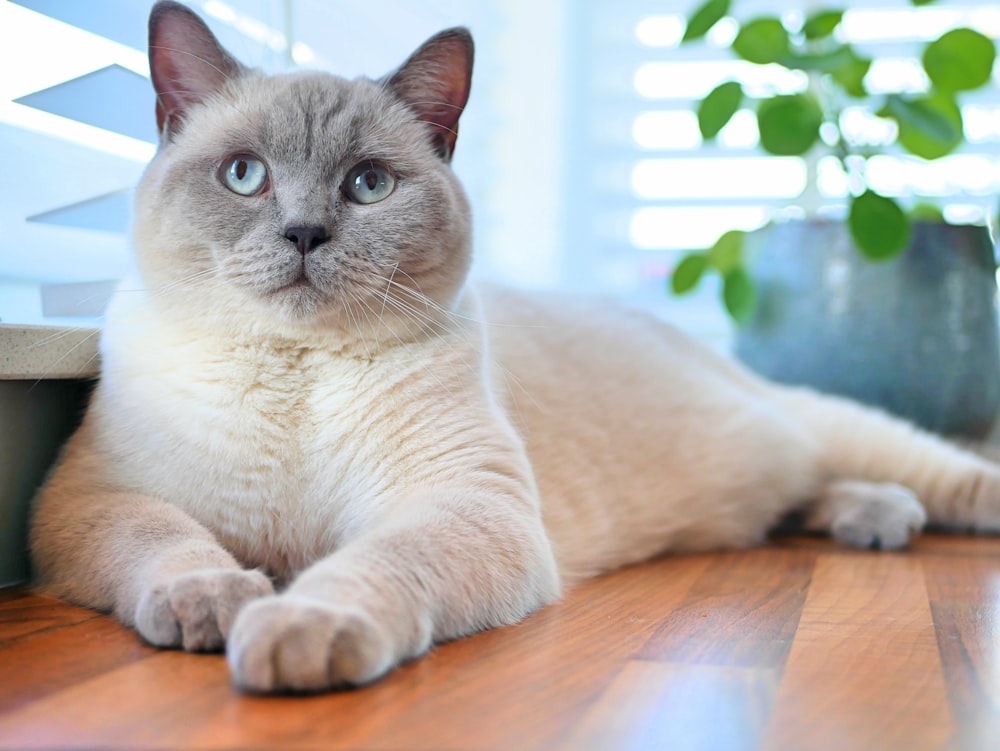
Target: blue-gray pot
(916, 336)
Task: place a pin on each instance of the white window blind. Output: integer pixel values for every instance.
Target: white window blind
(77, 120)
(579, 149)
(644, 189)
(76, 129)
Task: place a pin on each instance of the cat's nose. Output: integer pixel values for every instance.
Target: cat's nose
(306, 238)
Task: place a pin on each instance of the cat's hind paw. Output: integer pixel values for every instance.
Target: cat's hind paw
(196, 611)
(883, 516)
(288, 643)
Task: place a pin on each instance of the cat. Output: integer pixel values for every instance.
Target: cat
(315, 444)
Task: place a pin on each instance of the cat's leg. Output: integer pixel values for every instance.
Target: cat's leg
(157, 569)
(867, 514)
(957, 489)
(450, 562)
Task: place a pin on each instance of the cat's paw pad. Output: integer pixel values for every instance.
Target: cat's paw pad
(882, 516)
(286, 643)
(196, 611)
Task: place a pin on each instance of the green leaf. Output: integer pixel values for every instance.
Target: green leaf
(959, 60)
(704, 18)
(789, 125)
(929, 127)
(718, 107)
(919, 113)
(739, 295)
(825, 62)
(878, 226)
(851, 75)
(922, 2)
(688, 273)
(822, 23)
(926, 212)
(727, 253)
(762, 41)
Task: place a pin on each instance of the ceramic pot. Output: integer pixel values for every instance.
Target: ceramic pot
(916, 336)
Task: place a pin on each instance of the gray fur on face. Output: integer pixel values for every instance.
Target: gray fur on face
(226, 255)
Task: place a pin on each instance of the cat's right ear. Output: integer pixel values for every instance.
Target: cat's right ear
(434, 82)
(186, 61)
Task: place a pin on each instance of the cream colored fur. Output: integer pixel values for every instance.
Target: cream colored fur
(412, 471)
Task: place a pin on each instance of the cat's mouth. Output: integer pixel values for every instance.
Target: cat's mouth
(299, 299)
(299, 281)
(302, 281)
(299, 286)
(298, 291)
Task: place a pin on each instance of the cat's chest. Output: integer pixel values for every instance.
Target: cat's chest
(273, 451)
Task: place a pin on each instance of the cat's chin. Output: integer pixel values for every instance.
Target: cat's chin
(300, 301)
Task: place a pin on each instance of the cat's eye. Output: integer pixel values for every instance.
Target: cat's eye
(243, 174)
(369, 183)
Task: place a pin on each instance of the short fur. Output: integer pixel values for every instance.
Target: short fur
(406, 457)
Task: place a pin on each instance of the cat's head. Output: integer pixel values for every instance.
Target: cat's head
(302, 201)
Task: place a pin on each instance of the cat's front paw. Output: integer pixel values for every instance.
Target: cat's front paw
(288, 643)
(196, 611)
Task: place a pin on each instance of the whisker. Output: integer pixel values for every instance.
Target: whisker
(433, 372)
(199, 58)
(453, 131)
(355, 321)
(385, 294)
(62, 333)
(423, 320)
(410, 313)
(90, 335)
(435, 103)
(460, 316)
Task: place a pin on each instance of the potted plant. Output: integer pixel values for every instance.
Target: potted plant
(889, 305)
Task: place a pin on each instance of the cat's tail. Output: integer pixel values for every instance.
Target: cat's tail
(958, 487)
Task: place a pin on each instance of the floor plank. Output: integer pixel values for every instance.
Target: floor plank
(800, 646)
(965, 602)
(465, 696)
(54, 659)
(743, 611)
(864, 665)
(671, 706)
(25, 615)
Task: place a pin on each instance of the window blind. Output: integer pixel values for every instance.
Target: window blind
(579, 149)
(646, 190)
(77, 125)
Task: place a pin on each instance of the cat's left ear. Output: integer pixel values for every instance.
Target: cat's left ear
(434, 82)
(186, 61)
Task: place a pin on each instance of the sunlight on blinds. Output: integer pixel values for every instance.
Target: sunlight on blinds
(683, 194)
(77, 124)
(580, 150)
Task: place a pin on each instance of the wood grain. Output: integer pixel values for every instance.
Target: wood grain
(23, 614)
(799, 646)
(965, 602)
(864, 663)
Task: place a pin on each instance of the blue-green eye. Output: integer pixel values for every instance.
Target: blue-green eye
(245, 175)
(369, 183)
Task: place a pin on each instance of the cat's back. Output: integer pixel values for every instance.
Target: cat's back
(596, 363)
(622, 416)
(574, 342)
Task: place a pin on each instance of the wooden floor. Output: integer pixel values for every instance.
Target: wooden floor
(799, 646)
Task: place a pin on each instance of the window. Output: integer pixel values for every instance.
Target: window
(645, 190)
(579, 149)
(76, 129)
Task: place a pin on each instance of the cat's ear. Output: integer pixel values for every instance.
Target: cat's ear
(186, 61)
(435, 83)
